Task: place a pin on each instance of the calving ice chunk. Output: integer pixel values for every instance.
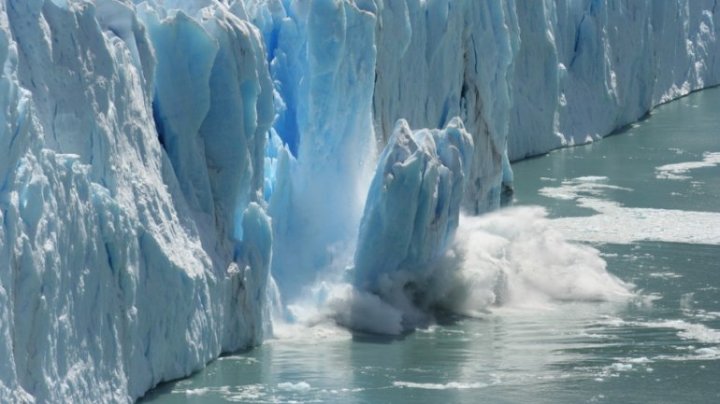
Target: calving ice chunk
(419, 254)
(136, 242)
(413, 205)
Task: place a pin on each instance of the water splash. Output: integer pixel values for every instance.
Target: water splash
(512, 258)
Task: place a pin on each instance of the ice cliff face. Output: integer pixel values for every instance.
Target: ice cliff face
(146, 146)
(120, 260)
(586, 68)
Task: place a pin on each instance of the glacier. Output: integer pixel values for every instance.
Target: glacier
(171, 169)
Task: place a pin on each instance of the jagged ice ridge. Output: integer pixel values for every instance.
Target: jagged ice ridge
(166, 162)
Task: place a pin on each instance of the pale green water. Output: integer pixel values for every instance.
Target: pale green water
(662, 347)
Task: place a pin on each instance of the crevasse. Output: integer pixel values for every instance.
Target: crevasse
(165, 163)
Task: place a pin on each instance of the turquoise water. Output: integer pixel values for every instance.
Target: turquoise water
(648, 199)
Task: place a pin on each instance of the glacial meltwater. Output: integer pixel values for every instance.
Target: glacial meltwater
(647, 198)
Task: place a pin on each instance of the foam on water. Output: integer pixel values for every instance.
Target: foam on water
(692, 332)
(440, 386)
(586, 191)
(621, 367)
(628, 225)
(319, 327)
(615, 223)
(256, 393)
(664, 275)
(678, 171)
(207, 390)
(685, 330)
(696, 354)
(299, 386)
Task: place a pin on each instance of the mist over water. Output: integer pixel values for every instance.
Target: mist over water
(602, 284)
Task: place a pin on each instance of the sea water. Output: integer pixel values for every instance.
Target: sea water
(647, 198)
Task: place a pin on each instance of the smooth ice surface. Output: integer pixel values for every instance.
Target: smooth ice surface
(162, 157)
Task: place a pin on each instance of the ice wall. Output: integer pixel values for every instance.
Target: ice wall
(128, 255)
(442, 59)
(586, 68)
(536, 75)
(138, 183)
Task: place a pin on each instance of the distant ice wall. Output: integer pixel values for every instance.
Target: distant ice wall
(586, 68)
(536, 75)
